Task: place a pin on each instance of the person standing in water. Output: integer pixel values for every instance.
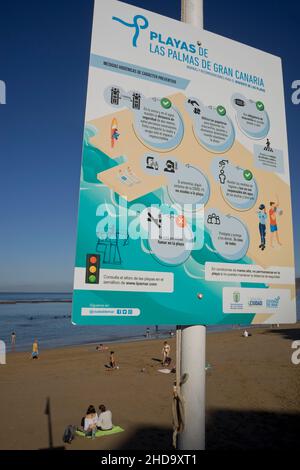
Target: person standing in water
(13, 339)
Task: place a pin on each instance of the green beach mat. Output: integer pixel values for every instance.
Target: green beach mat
(114, 430)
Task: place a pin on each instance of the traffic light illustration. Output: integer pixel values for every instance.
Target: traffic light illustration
(92, 269)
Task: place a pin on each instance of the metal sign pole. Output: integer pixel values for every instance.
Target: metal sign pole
(193, 338)
(192, 12)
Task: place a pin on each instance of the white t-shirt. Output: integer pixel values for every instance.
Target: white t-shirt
(105, 420)
(90, 422)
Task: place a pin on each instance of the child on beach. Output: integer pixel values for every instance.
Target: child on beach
(112, 362)
(166, 353)
(35, 350)
(104, 422)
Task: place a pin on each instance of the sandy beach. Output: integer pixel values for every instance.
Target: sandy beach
(253, 393)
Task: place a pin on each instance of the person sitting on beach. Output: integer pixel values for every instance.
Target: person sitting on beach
(104, 422)
(35, 350)
(168, 361)
(246, 334)
(90, 422)
(101, 347)
(166, 353)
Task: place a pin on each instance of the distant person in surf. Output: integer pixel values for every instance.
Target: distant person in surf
(13, 339)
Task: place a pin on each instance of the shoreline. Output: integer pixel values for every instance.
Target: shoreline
(164, 335)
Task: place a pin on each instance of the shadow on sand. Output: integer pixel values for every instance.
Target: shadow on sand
(247, 430)
(225, 430)
(156, 359)
(229, 430)
(292, 334)
(150, 438)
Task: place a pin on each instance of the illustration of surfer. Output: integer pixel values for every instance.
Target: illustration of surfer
(114, 132)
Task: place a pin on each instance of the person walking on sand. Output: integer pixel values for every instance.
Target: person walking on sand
(35, 350)
(273, 222)
(112, 361)
(166, 353)
(104, 422)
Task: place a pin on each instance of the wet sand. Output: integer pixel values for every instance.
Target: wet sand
(253, 393)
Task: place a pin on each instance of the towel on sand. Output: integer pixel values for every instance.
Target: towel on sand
(114, 430)
(164, 371)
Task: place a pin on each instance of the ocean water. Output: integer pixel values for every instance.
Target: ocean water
(50, 322)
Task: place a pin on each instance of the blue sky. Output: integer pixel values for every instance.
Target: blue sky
(44, 53)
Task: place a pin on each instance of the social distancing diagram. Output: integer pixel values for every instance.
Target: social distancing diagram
(185, 193)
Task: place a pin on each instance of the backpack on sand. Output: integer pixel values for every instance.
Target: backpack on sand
(69, 434)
